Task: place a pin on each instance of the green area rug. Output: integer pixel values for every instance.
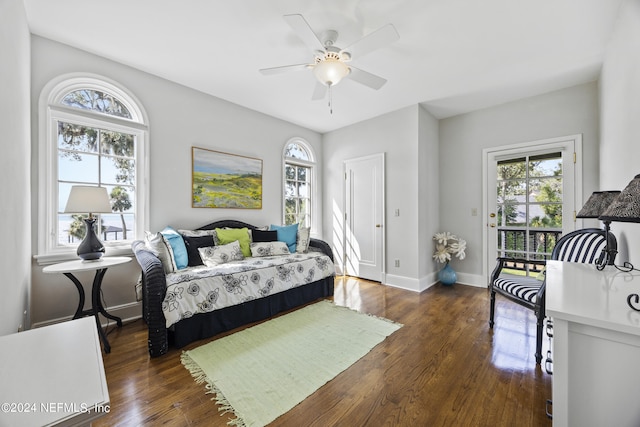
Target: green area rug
(263, 371)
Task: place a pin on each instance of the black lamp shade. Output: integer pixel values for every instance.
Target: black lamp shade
(91, 247)
(597, 204)
(626, 207)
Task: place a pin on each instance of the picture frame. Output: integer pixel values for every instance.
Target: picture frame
(224, 180)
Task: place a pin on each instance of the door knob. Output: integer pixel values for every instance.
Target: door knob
(492, 215)
(492, 225)
(378, 225)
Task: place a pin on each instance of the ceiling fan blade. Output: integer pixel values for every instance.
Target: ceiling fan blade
(319, 92)
(304, 32)
(372, 41)
(366, 78)
(283, 69)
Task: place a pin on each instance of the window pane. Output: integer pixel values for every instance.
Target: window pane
(302, 173)
(121, 198)
(289, 189)
(94, 100)
(78, 168)
(112, 227)
(513, 189)
(289, 172)
(545, 216)
(545, 190)
(116, 143)
(290, 206)
(545, 165)
(510, 169)
(303, 189)
(117, 171)
(77, 138)
(296, 151)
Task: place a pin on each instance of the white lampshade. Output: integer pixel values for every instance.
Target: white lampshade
(330, 71)
(88, 199)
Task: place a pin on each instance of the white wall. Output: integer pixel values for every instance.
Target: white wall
(428, 194)
(179, 118)
(462, 138)
(398, 135)
(620, 120)
(14, 166)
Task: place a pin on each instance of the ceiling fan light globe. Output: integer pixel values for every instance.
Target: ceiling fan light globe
(329, 72)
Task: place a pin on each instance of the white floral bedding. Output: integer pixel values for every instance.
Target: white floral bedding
(202, 289)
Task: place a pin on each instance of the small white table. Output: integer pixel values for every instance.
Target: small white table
(100, 266)
(596, 345)
(53, 376)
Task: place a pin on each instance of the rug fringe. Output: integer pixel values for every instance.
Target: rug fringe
(200, 377)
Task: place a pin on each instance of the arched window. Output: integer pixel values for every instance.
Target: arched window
(93, 133)
(299, 185)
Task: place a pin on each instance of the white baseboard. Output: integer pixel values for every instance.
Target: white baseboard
(127, 312)
(424, 283)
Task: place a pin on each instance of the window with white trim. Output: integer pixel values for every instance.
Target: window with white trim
(299, 165)
(95, 134)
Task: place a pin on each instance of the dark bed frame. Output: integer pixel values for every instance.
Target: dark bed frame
(205, 325)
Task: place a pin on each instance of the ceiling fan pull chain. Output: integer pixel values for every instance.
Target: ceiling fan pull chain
(330, 101)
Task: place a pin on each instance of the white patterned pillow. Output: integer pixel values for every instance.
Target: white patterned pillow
(303, 237)
(216, 255)
(269, 249)
(162, 249)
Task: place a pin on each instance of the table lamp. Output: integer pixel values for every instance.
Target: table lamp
(88, 199)
(594, 208)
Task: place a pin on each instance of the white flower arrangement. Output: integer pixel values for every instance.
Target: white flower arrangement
(447, 244)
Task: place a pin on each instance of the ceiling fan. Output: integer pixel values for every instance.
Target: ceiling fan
(330, 62)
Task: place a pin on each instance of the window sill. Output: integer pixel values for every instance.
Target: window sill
(71, 255)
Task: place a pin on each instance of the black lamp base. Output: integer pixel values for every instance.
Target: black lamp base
(91, 248)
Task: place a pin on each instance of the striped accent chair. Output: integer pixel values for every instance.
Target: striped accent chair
(583, 246)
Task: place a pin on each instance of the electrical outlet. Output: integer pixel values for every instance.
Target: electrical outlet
(397, 212)
(397, 263)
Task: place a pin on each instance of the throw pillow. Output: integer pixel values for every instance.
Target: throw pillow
(193, 244)
(269, 249)
(177, 245)
(200, 233)
(162, 249)
(228, 235)
(287, 234)
(264, 236)
(303, 239)
(216, 255)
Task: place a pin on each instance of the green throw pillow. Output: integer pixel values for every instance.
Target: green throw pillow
(228, 235)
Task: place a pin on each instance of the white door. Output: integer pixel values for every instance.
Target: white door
(364, 217)
(531, 194)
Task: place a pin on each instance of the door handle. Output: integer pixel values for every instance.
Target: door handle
(378, 225)
(492, 225)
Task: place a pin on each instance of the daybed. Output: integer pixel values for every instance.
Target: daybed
(254, 305)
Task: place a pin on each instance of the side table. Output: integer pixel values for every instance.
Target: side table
(100, 266)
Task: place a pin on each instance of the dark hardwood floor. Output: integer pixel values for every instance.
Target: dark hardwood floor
(445, 367)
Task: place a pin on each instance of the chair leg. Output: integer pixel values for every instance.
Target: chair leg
(492, 308)
(539, 326)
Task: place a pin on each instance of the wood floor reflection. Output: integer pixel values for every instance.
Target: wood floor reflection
(445, 367)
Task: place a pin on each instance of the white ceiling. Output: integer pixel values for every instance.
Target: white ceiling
(453, 56)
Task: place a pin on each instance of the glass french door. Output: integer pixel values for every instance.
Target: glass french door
(531, 202)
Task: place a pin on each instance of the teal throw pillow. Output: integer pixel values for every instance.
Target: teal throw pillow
(287, 234)
(177, 246)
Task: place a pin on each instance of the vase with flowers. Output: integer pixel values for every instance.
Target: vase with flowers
(448, 245)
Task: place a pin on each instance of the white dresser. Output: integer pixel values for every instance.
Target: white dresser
(596, 345)
(53, 376)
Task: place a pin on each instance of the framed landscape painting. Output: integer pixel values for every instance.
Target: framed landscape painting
(222, 180)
